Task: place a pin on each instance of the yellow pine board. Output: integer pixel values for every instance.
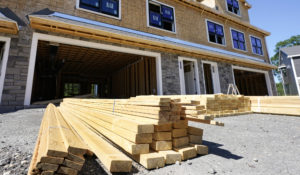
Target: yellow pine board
(112, 158)
(150, 160)
(73, 144)
(128, 146)
(171, 157)
(179, 133)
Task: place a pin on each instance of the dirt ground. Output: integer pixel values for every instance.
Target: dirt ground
(248, 144)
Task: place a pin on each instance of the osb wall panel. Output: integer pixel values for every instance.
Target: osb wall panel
(244, 15)
(190, 24)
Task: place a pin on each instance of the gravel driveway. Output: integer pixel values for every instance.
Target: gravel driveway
(248, 144)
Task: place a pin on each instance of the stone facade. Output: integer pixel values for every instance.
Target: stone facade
(225, 76)
(170, 74)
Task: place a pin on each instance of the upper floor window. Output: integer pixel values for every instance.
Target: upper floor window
(161, 16)
(215, 33)
(107, 7)
(233, 6)
(256, 45)
(238, 40)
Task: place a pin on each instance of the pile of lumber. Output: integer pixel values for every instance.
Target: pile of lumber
(58, 148)
(148, 130)
(285, 105)
(212, 106)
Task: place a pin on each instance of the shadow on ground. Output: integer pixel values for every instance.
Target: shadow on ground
(214, 148)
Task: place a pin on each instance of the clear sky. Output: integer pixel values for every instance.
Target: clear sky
(281, 18)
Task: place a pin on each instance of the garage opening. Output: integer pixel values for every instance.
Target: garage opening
(251, 83)
(63, 70)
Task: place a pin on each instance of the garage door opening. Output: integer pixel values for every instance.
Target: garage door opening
(63, 70)
(251, 83)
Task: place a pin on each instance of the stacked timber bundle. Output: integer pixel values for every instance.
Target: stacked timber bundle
(204, 108)
(145, 129)
(285, 105)
(58, 148)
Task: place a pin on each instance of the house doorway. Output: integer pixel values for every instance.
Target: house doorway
(211, 77)
(189, 78)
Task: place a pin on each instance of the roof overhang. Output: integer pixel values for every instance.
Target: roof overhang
(7, 25)
(76, 26)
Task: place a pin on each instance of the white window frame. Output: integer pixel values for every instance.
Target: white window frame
(207, 32)
(267, 77)
(45, 37)
(148, 21)
(262, 46)
(244, 39)
(99, 13)
(181, 74)
(6, 40)
(216, 79)
(240, 12)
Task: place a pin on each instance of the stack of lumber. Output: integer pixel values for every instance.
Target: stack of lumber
(148, 130)
(285, 105)
(58, 148)
(208, 107)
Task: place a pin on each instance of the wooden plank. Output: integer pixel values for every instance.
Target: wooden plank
(150, 160)
(113, 159)
(128, 146)
(72, 142)
(66, 170)
(181, 124)
(200, 149)
(195, 131)
(163, 127)
(159, 136)
(180, 142)
(47, 166)
(161, 145)
(179, 133)
(55, 144)
(187, 152)
(171, 157)
(73, 165)
(75, 158)
(126, 134)
(195, 139)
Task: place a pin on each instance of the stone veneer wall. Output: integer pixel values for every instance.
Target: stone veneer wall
(170, 74)
(225, 76)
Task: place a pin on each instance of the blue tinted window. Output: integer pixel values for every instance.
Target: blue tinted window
(256, 46)
(109, 7)
(238, 40)
(215, 32)
(233, 6)
(161, 16)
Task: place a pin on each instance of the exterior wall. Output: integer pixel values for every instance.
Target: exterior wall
(288, 77)
(170, 74)
(273, 84)
(18, 60)
(134, 16)
(225, 76)
(297, 65)
(244, 15)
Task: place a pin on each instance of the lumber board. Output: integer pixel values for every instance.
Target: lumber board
(159, 136)
(75, 158)
(171, 157)
(181, 124)
(195, 139)
(72, 142)
(195, 131)
(180, 142)
(112, 158)
(73, 165)
(161, 145)
(47, 173)
(179, 133)
(66, 170)
(52, 160)
(55, 144)
(47, 166)
(126, 134)
(186, 152)
(128, 146)
(150, 160)
(163, 127)
(200, 149)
